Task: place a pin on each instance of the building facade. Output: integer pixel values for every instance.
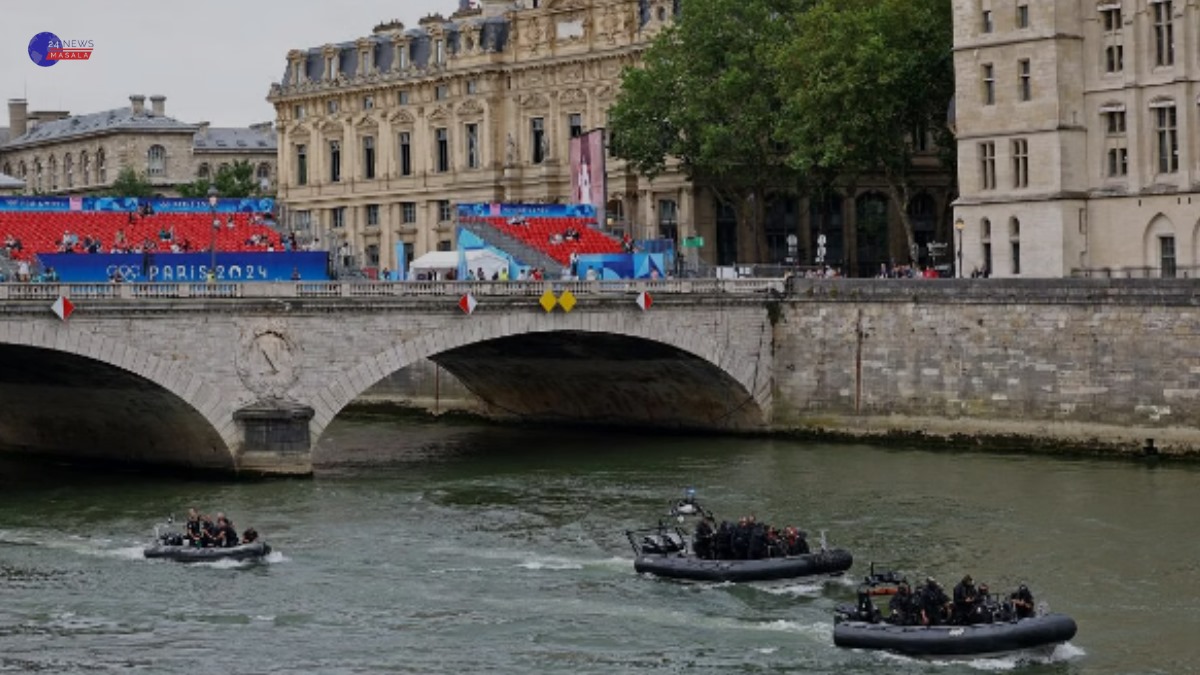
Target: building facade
(380, 137)
(56, 153)
(1076, 125)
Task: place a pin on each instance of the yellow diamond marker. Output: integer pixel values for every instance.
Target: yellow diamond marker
(567, 301)
(548, 301)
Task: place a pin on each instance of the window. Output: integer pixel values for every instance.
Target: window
(989, 84)
(101, 168)
(1114, 58)
(668, 219)
(53, 165)
(575, 124)
(373, 255)
(408, 212)
(1024, 72)
(444, 245)
(472, 86)
(1168, 138)
(406, 167)
(985, 229)
(920, 138)
(1118, 162)
(444, 213)
(987, 165)
(368, 103)
(1166, 256)
(402, 97)
(85, 168)
(204, 171)
(472, 146)
(988, 24)
(441, 92)
(1164, 33)
(1020, 159)
(263, 174)
(372, 214)
(156, 161)
(331, 107)
(1114, 122)
(537, 138)
(368, 143)
(338, 216)
(442, 137)
(301, 165)
(68, 170)
(335, 161)
(1111, 16)
(298, 112)
(1014, 242)
(439, 52)
(1022, 16)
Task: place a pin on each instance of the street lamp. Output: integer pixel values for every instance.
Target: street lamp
(959, 225)
(216, 225)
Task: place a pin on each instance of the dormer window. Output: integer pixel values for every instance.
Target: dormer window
(440, 52)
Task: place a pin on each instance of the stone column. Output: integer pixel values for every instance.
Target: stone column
(275, 439)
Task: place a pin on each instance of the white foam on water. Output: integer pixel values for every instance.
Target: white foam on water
(795, 589)
(263, 617)
(767, 650)
(275, 557)
(821, 630)
(552, 565)
(999, 663)
(457, 570)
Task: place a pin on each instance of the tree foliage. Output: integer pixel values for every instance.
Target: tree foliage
(235, 180)
(706, 96)
(860, 78)
(130, 183)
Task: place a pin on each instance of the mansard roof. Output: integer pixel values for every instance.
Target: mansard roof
(235, 139)
(79, 126)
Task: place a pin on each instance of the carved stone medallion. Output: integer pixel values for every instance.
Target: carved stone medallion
(266, 361)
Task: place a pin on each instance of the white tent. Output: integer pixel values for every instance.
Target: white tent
(442, 262)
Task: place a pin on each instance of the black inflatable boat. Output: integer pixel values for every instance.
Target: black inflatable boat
(1046, 631)
(254, 551)
(663, 551)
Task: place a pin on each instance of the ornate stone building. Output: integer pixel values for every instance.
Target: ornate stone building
(1077, 141)
(381, 136)
(56, 153)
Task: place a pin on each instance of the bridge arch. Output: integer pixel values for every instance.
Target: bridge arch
(67, 391)
(724, 388)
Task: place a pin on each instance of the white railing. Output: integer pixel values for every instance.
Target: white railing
(378, 289)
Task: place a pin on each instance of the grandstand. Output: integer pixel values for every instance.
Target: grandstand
(44, 231)
(548, 234)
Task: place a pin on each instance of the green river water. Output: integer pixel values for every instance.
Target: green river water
(448, 548)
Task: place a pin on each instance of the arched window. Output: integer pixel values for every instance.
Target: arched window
(156, 161)
(7, 169)
(22, 170)
(203, 171)
(69, 170)
(52, 165)
(985, 235)
(101, 169)
(37, 174)
(85, 168)
(264, 172)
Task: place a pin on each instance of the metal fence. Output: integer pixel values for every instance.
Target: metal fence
(1146, 272)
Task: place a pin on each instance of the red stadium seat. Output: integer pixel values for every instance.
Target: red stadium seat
(537, 232)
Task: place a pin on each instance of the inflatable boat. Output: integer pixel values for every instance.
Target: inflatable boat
(1046, 631)
(663, 551)
(189, 554)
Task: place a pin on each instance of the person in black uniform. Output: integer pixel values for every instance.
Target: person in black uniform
(966, 597)
(1022, 602)
(208, 531)
(933, 603)
(723, 543)
(192, 533)
(901, 606)
(702, 542)
(225, 536)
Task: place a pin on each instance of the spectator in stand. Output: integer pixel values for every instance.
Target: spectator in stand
(23, 271)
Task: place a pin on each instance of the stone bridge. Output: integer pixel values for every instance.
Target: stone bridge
(246, 377)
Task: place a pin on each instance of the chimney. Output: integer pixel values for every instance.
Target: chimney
(493, 8)
(158, 104)
(203, 129)
(138, 103)
(18, 117)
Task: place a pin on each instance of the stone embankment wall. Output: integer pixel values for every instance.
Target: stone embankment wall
(422, 386)
(1059, 363)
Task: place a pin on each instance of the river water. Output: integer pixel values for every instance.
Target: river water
(435, 548)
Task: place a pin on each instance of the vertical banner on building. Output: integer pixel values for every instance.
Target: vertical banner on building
(588, 173)
(401, 262)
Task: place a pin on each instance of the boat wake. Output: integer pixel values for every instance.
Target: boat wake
(999, 663)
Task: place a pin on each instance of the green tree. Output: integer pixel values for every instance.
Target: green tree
(130, 183)
(707, 96)
(859, 77)
(235, 180)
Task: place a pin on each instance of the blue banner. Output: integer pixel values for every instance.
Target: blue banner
(528, 210)
(622, 266)
(186, 267)
(126, 204)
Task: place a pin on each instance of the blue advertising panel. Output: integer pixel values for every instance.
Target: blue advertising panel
(126, 204)
(528, 210)
(186, 267)
(623, 266)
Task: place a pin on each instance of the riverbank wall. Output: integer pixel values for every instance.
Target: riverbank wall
(1076, 365)
(424, 386)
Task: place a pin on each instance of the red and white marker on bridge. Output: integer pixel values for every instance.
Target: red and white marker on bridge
(63, 308)
(644, 300)
(467, 303)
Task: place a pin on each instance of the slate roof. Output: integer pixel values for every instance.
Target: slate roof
(117, 119)
(493, 35)
(235, 139)
(7, 181)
